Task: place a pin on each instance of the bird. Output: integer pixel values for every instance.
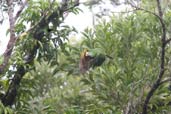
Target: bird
(90, 59)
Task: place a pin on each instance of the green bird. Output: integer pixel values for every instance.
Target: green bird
(90, 59)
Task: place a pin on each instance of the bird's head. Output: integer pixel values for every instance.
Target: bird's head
(86, 54)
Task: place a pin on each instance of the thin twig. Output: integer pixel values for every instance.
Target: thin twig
(142, 9)
(168, 40)
(164, 81)
(20, 10)
(124, 11)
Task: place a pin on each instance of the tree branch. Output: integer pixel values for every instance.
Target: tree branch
(10, 95)
(162, 61)
(12, 20)
(12, 39)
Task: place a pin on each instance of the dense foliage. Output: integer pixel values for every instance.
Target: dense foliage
(52, 82)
